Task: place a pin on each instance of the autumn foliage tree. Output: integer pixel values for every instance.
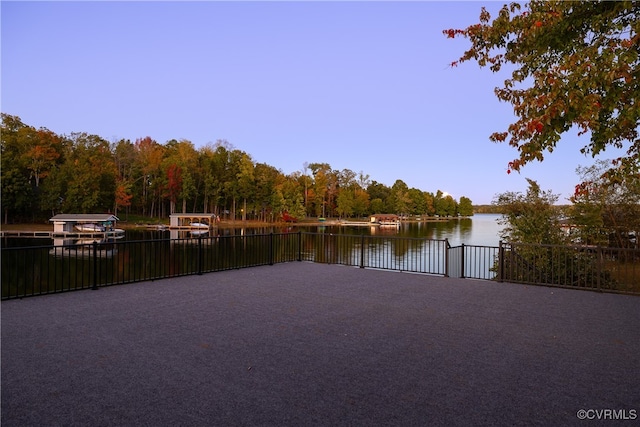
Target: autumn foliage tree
(174, 184)
(606, 214)
(43, 154)
(122, 197)
(575, 66)
(42, 174)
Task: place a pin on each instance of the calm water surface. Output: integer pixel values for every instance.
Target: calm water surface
(480, 230)
(420, 252)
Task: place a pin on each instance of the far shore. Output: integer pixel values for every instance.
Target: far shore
(222, 224)
(138, 225)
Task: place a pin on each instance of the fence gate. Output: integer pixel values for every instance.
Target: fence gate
(455, 261)
(472, 261)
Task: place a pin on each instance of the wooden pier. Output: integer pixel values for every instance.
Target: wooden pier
(114, 234)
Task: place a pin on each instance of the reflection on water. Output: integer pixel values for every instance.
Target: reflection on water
(104, 248)
(481, 230)
(150, 254)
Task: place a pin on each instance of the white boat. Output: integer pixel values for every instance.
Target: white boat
(87, 242)
(90, 228)
(116, 233)
(198, 225)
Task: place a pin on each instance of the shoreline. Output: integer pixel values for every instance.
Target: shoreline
(34, 227)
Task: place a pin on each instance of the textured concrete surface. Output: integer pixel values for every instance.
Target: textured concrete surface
(303, 344)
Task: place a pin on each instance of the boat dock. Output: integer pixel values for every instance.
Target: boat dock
(357, 224)
(64, 234)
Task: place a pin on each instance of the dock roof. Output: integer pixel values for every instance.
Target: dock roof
(84, 218)
(192, 215)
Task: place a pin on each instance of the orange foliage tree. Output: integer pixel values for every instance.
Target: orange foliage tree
(575, 65)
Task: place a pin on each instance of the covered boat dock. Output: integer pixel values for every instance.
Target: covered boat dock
(85, 225)
(192, 220)
(384, 219)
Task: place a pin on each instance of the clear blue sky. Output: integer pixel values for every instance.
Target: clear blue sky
(358, 85)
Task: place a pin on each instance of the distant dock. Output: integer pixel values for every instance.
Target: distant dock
(357, 224)
(114, 234)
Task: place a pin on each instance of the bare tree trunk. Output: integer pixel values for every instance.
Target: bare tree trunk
(233, 208)
(244, 210)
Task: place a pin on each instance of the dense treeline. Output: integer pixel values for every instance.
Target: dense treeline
(602, 213)
(44, 173)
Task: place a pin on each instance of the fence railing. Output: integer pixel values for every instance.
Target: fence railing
(587, 267)
(473, 262)
(48, 269)
(382, 252)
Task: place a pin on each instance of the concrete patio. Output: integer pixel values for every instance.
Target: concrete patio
(302, 344)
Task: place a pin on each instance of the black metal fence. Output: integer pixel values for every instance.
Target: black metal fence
(48, 269)
(382, 252)
(586, 267)
(472, 262)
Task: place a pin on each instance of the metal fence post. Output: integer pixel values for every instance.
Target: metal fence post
(599, 269)
(271, 248)
(500, 262)
(446, 257)
(362, 251)
(95, 266)
(299, 245)
(462, 261)
(200, 255)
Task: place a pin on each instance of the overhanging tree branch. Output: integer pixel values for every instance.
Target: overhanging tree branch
(577, 65)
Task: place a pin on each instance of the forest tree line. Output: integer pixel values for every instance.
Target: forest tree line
(44, 174)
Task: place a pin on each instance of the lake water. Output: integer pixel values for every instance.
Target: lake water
(480, 230)
(147, 254)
